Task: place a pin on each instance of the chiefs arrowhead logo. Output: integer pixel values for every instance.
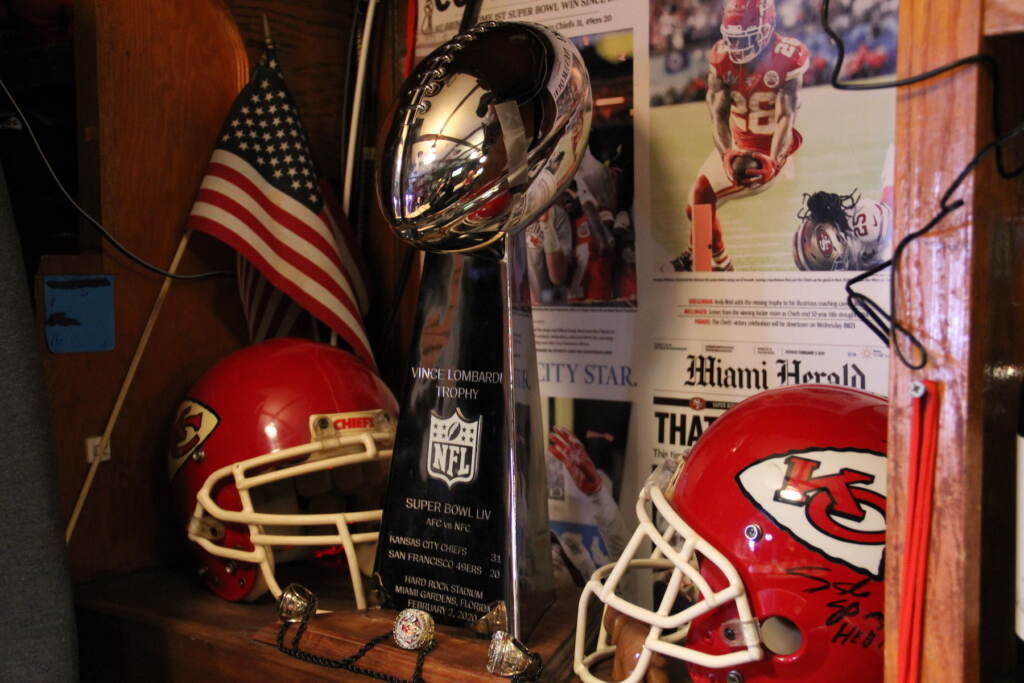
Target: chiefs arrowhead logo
(831, 500)
(193, 425)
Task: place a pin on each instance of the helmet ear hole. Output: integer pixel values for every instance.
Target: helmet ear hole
(781, 636)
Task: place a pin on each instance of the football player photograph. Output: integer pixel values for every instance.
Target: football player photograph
(581, 252)
(625, 257)
(747, 113)
(584, 460)
(578, 252)
(753, 90)
(842, 232)
(549, 257)
(846, 231)
(594, 246)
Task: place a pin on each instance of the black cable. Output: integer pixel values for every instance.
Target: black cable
(470, 15)
(95, 223)
(885, 325)
(359, 201)
(352, 60)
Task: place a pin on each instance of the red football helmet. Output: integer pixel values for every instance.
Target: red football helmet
(770, 539)
(747, 26)
(281, 445)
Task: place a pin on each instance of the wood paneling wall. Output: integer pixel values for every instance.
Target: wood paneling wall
(949, 290)
(153, 94)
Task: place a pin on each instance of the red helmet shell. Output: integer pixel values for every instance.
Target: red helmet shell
(256, 401)
(790, 486)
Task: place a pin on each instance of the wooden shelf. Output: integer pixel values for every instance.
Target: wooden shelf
(161, 626)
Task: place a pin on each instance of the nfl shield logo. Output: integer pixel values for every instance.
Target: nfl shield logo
(452, 452)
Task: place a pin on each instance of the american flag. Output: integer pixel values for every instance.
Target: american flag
(263, 196)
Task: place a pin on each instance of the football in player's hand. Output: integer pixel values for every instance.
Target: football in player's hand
(743, 166)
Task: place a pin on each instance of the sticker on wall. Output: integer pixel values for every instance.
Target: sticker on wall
(79, 312)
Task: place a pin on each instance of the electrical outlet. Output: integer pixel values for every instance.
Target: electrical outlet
(92, 444)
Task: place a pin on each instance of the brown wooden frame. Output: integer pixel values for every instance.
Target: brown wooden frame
(947, 291)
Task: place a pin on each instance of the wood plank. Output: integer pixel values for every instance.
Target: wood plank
(937, 131)
(458, 656)
(1003, 16)
(164, 74)
(155, 82)
(311, 39)
(159, 625)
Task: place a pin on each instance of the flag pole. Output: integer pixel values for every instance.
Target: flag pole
(268, 40)
(357, 105)
(126, 383)
(354, 123)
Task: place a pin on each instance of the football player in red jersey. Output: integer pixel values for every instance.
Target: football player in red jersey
(753, 89)
(592, 224)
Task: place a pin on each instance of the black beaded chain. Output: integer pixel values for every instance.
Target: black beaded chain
(349, 663)
(535, 676)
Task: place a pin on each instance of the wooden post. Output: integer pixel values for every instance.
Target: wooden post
(945, 289)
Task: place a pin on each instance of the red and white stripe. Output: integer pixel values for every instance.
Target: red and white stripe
(345, 240)
(293, 247)
(270, 314)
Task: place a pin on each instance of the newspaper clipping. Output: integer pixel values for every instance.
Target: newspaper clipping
(701, 253)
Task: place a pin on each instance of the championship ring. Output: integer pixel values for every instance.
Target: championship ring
(296, 603)
(508, 657)
(414, 629)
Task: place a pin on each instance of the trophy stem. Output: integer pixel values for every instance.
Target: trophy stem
(529, 542)
(465, 522)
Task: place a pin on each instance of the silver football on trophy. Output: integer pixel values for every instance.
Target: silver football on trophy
(484, 135)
